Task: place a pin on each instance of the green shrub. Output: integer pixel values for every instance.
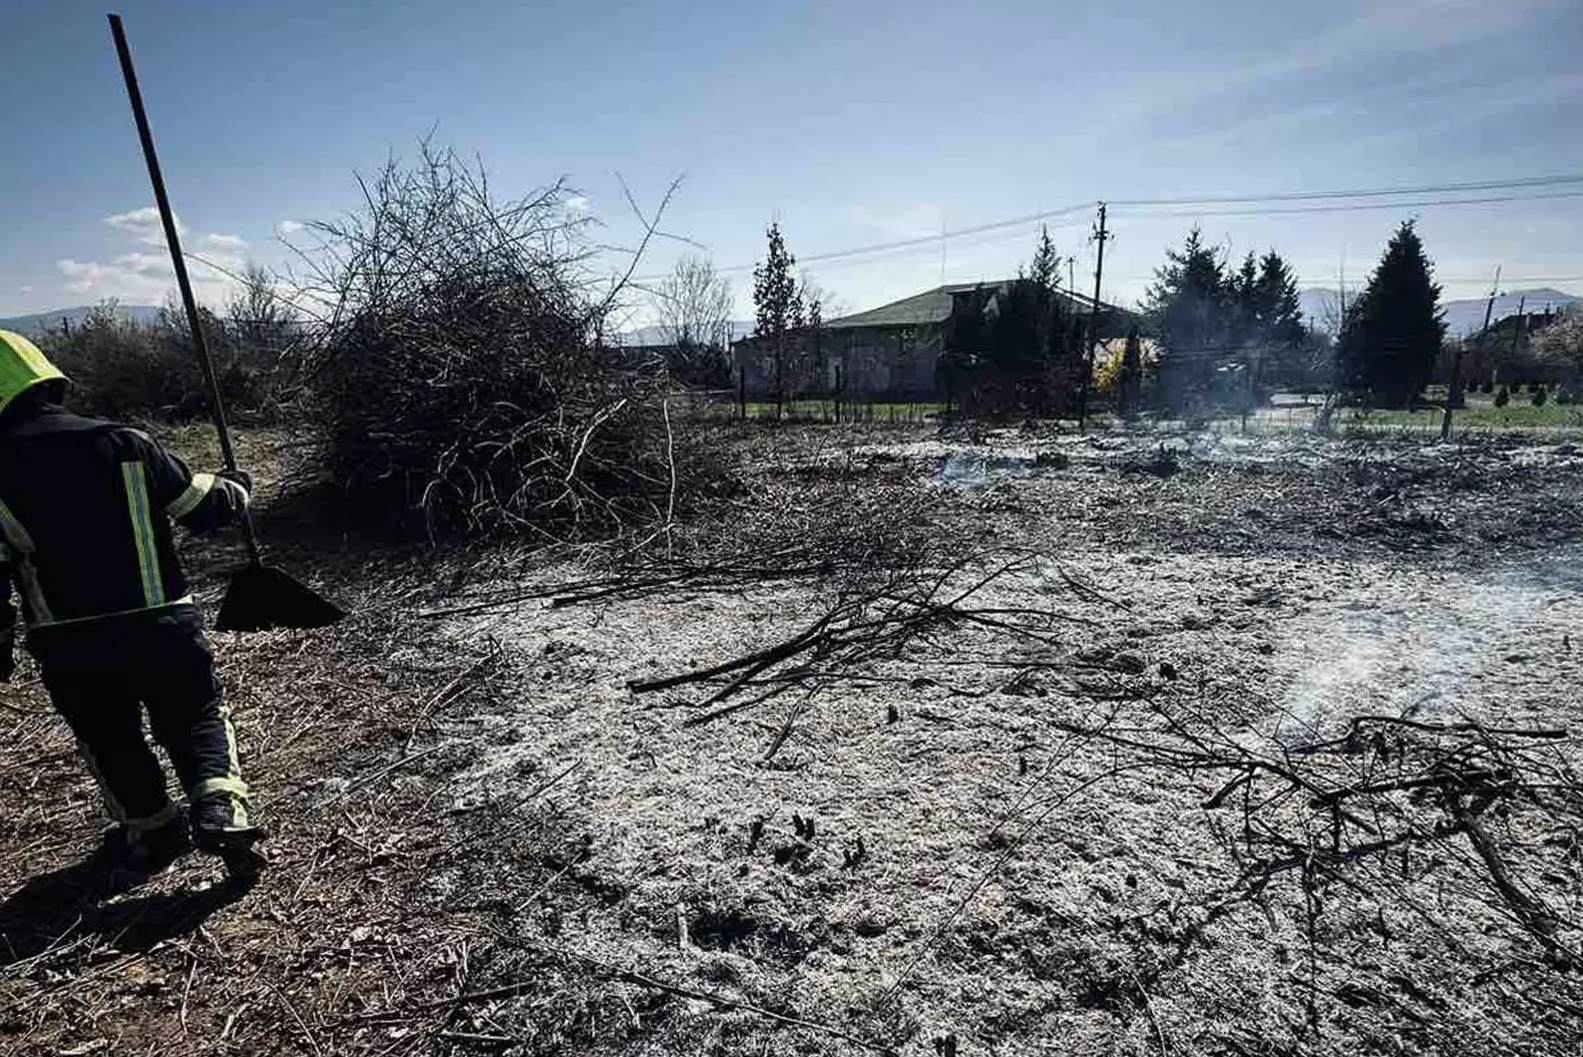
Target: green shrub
(1502, 397)
(1539, 396)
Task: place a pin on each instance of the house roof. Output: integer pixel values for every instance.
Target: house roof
(931, 306)
(934, 306)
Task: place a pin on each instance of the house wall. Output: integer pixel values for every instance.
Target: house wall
(880, 362)
(864, 362)
(753, 361)
(888, 362)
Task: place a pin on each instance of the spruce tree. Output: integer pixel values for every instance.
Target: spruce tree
(1393, 332)
(1242, 295)
(1015, 357)
(777, 304)
(966, 347)
(1046, 267)
(1187, 313)
(1277, 306)
(1053, 371)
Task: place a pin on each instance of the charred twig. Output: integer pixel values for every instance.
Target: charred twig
(1538, 919)
(758, 660)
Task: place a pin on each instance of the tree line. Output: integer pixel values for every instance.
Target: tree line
(1213, 334)
(124, 368)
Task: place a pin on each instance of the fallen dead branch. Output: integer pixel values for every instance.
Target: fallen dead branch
(863, 626)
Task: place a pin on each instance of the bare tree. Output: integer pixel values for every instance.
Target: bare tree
(694, 303)
(694, 307)
(259, 317)
(831, 306)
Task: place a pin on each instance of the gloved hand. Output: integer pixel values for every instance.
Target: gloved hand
(238, 476)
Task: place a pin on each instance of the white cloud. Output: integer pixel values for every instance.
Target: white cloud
(146, 276)
(288, 227)
(578, 204)
(144, 224)
(24, 289)
(138, 278)
(132, 276)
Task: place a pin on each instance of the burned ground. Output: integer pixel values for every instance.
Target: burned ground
(1038, 743)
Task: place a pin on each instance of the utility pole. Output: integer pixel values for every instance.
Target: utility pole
(1101, 235)
(1519, 329)
(1454, 391)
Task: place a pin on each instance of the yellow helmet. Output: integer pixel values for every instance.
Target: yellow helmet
(22, 366)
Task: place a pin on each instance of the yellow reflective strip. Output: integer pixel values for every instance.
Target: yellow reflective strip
(136, 480)
(234, 765)
(26, 569)
(209, 786)
(188, 501)
(232, 787)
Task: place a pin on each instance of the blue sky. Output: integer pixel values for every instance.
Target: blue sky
(850, 123)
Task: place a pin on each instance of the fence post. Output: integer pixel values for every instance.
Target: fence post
(742, 393)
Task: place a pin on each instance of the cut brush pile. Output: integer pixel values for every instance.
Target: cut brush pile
(460, 378)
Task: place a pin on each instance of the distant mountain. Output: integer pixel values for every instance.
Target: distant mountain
(646, 336)
(1463, 317)
(53, 320)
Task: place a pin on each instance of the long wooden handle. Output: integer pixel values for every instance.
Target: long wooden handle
(184, 284)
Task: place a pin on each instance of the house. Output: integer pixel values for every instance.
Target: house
(1505, 352)
(885, 353)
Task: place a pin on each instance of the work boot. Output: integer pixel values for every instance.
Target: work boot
(220, 827)
(129, 854)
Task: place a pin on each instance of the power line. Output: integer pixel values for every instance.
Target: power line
(1367, 192)
(973, 239)
(936, 240)
(931, 241)
(1329, 277)
(1357, 206)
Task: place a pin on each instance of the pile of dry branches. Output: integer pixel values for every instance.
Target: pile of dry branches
(841, 527)
(1463, 830)
(460, 376)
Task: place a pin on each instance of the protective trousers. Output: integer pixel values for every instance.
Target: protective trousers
(101, 674)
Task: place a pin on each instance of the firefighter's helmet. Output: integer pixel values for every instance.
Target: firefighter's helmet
(22, 366)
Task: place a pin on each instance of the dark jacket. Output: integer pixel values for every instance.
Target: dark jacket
(85, 519)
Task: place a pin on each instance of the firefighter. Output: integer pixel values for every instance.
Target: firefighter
(85, 536)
